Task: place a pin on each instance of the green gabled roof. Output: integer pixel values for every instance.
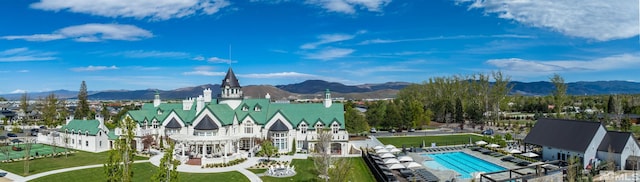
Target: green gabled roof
(82, 126)
(222, 112)
(112, 135)
(311, 112)
(186, 116)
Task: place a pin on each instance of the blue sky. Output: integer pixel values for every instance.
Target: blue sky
(167, 44)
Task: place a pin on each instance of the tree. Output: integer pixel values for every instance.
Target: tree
(393, 116)
(610, 105)
(267, 149)
(625, 124)
(354, 120)
(322, 159)
(375, 113)
(118, 165)
(27, 156)
(83, 111)
(49, 112)
(168, 168)
(559, 94)
(3, 99)
(147, 140)
(24, 106)
(105, 113)
(342, 167)
(459, 117)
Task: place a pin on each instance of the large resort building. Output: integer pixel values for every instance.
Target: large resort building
(231, 126)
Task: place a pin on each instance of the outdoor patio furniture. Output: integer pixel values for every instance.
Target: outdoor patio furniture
(508, 158)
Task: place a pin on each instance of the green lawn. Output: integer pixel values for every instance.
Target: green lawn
(440, 140)
(47, 164)
(41, 149)
(141, 172)
(306, 172)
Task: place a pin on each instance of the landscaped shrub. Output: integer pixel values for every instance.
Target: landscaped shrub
(230, 163)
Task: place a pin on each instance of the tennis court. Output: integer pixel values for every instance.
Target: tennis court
(41, 149)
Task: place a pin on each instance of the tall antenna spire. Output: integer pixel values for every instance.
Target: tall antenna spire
(230, 60)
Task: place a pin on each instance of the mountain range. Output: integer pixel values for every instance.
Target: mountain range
(312, 89)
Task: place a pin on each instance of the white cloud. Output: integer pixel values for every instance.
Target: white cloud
(280, 75)
(23, 71)
(152, 54)
(94, 68)
(593, 19)
(153, 9)
(516, 66)
(214, 60)
(204, 71)
(330, 53)
(350, 6)
(18, 91)
(92, 32)
(24, 54)
(327, 38)
(387, 41)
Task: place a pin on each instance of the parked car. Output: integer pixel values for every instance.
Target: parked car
(392, 131)
(34, 133)
(487, 132)
(412, 130)
(373, 130)
(12, 135)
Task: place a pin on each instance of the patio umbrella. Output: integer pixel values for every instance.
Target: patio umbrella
(493, 145)
(515, 151)
(378, 147)
(391, 161)
(405, 159)
(389, 146)
(530, 154)
(382, 151)
(396, 166)
(394, 150)
(412, 164)
(387, 155)
(481, 142)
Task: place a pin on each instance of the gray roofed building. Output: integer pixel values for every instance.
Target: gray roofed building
(173, 123)
(230, 80)
(560, 133)
(278, 126)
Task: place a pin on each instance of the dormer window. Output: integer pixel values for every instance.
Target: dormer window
(335, 127)
(155, 124)
(303, 128)
(245, 108)
(257, 108)
(319, 127)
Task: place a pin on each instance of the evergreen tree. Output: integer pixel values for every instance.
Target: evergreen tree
(354, 120)
(459, 117)
(24, 105)
(82, 111)
(611, 105)
(49, 112)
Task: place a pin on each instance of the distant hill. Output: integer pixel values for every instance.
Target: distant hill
(314, 89)
(318, 86)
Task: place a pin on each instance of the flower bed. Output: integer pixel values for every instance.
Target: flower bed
(230, 163)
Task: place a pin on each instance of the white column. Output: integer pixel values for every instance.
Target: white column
(182, 149)
(204, 149)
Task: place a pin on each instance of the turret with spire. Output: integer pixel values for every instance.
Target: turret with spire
(231, 91)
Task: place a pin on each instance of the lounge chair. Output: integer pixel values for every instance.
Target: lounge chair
(523, 163)
(508, 158)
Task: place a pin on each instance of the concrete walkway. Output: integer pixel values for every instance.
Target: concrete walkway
(242, 167)
(16, 177)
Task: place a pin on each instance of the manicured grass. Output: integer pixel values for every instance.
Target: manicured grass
(141, 172)
(47, 164)
(306, 172)
(35, 148)
(440, 140)
(257, 171)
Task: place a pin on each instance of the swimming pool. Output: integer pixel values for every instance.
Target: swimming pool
(462, 163)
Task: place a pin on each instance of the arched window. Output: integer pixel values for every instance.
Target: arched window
(155, 124)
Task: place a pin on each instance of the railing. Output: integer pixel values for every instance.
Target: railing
(373, 167)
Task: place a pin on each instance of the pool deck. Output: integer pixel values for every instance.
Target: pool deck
(445, 175)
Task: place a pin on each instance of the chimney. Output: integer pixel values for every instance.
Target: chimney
(199, 104)
(207, 95)
(187, 104)
(267, 96)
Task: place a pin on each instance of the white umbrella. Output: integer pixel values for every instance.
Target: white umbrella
(396, 166)
(394, 150)
(389, 146)
(493, 145)
(530, 154)
(391, 161)
(515, 151)
(405, 159)
(481, 142)
(387, 155)
(412, 164)
(378, 147)
(382, 151)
